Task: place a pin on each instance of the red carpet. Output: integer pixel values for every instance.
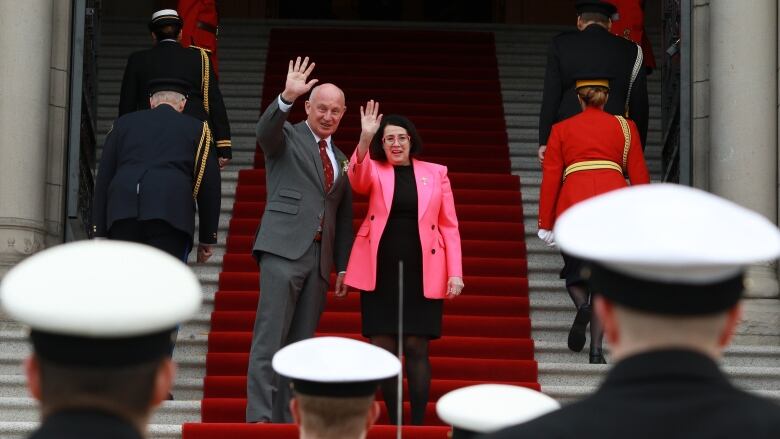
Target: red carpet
(447, 83)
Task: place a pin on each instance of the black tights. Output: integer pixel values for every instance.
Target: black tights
(418, 375)
(581, 296)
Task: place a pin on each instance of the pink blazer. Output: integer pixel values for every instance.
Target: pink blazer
(438, 224)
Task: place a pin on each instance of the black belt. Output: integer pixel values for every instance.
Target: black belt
(207, 27)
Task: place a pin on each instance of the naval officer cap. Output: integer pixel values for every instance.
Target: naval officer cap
(599, 6)
(335, 366)
(101, 304)
(486, 408)
(666, 248)
(165, 17)
(169, 84)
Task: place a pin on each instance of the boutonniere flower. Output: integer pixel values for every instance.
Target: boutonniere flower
(344, 166)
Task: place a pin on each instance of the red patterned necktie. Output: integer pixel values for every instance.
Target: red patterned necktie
(327, 166)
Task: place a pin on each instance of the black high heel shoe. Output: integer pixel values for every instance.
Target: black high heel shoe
(597, 357)
(577, 332)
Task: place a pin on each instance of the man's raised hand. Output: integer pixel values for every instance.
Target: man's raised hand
(297, 75)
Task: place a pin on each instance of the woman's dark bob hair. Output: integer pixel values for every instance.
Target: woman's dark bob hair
(377, 151)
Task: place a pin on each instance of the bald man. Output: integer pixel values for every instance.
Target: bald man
(306, 230)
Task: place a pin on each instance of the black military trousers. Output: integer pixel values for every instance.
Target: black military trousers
(156, 233)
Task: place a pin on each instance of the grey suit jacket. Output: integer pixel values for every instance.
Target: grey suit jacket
(296, 201)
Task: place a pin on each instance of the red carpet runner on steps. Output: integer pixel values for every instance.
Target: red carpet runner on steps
(447, 83)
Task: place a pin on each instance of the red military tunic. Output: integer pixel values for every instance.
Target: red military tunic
(590, 135)
(200, 26)
(630, 24)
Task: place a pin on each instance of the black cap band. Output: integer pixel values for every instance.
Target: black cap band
(73, 350)
(336, 389)
(664, 297)
(598, 6)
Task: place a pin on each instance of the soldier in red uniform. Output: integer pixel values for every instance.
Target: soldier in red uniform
(201, 24)
(629, 23)
(587, 155)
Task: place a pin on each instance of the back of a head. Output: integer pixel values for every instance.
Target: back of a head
(594, 97)
(677, 269)
(334, 381)
(100, 341)
(594, 11)
(486, 408)
(327, 417)
(165, 24)
(172, 91)
(167, 32)
(594, 17)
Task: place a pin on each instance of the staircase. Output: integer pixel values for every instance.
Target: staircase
(751, 362)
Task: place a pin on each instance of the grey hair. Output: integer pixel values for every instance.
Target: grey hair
(169, 97)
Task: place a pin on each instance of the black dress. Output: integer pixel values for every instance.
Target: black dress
(401, 242)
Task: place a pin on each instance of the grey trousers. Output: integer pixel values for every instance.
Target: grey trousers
(292, 298)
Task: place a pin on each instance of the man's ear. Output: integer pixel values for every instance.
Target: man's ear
(605, 311)
(373, 415)
(580, 23)
(163, 382)
(295, 410)
(307, 106)
(734, 317)
(32, 368)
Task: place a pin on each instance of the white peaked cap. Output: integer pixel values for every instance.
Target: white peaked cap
(101, 289)
(335, 366)
(668, 233)
(485, 408)
(164, 13)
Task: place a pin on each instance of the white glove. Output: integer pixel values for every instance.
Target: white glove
(547, 236)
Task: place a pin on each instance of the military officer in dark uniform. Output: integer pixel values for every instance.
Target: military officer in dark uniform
(101, 315)
(590, 48)
(156, 164)
(168, 59)
(666, 263)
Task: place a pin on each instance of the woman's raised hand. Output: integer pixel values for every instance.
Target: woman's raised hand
(297, 74)
(370, 119)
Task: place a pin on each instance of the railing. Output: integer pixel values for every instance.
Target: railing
(82, 119)
(675, 94)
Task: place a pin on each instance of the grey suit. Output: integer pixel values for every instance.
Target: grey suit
(295, 269)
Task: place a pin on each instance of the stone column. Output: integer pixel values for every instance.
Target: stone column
(743, 120)
(25, 33)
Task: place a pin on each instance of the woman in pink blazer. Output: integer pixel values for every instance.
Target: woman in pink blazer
(410, 219)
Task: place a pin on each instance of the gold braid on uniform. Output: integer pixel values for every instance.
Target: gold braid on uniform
(204, 77)
(201, 157)
(626, 141)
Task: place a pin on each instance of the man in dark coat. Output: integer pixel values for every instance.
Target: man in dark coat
(155, 165)
(168, 59)
(669, 302)
(593, 48)
(101, 316)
